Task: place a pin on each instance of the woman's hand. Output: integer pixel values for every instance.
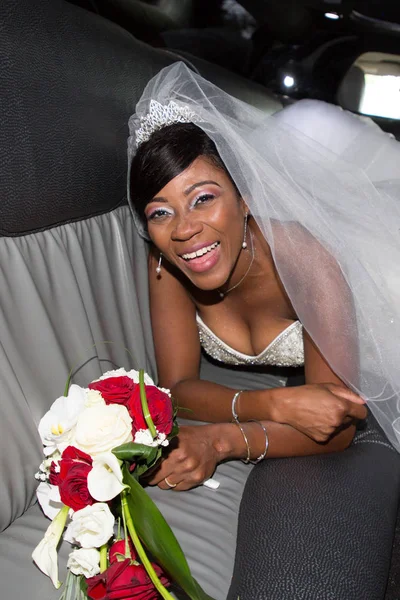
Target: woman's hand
(319, 410)
(194, 456)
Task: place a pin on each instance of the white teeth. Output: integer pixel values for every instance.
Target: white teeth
(191, 255)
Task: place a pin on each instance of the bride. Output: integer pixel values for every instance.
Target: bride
(274, 245)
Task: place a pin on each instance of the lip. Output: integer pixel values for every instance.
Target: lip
(202, 263)
(196, 247)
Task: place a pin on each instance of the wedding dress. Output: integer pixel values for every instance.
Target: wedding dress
(286, 350)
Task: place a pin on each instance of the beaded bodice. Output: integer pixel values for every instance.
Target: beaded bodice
(286, 350)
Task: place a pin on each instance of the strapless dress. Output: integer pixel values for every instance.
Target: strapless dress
(286, 350)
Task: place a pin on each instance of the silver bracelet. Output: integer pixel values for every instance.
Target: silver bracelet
(235, 416)
(247, 459)
(264, 454)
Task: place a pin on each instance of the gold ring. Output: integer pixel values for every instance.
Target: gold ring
(170, 485)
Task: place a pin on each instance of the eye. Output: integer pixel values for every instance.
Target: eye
(158, 214)
(203, 199)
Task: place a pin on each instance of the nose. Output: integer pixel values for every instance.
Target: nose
(185, 227)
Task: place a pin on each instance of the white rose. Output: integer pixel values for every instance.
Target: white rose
(84, 561)
(93, 397)
(91, 527)
(102, 427)
(55, 428)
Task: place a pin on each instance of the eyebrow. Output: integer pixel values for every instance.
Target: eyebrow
(188, 190)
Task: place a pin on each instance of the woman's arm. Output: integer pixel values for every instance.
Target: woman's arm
(201, 448)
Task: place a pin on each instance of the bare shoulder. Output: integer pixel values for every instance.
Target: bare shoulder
(291, 238)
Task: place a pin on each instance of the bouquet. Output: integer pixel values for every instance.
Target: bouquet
(98, 442)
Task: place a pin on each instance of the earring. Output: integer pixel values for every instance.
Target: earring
(158, 268)
(244, 245)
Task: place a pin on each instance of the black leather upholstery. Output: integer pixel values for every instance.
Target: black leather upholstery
(151, 16)
(92, 73)
(319, 527)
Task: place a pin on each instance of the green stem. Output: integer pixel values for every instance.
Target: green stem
(103, 558)
(69, 583)
(128, 553)
(145, 406)
(141, 551)
(68, 383)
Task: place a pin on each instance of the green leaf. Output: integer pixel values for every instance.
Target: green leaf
(141, 469)
(136, 452)
(174, 431)
(83, 586)
(159, 539)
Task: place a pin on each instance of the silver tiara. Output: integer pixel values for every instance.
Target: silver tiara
(160, 116)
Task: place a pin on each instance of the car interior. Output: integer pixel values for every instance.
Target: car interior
(73, 267)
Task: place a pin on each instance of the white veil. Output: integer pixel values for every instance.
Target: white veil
(324, 187)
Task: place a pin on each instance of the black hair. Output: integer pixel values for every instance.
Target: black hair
(167, 153)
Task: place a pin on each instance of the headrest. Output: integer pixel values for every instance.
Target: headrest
(69, 80)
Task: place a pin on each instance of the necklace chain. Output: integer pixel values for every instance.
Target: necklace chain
(223, 294)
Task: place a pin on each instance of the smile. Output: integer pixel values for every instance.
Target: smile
(200, 252)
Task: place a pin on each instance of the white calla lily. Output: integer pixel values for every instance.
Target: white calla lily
(105, 479)
(56, 426)
(49, 499)
(45, 553)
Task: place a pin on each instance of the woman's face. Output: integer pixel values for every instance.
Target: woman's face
(197, 222)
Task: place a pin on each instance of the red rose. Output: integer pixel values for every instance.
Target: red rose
(124, 581)
(115, 390)
(72, 478)
(117, 551)
(160, 407)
